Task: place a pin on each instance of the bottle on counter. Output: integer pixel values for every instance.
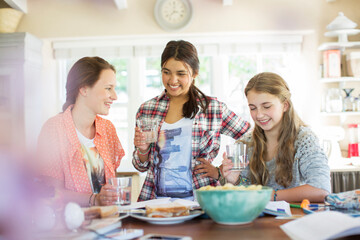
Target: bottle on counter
(358, 134)
(353, 147)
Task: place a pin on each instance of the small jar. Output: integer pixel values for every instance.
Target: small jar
(357, 104)
(334, 100)
(349, 101)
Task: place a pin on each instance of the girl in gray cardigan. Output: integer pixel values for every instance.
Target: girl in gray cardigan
(283, 153)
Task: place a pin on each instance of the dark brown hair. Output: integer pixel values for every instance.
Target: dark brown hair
(275, 85)
(85, 72)
(186, 52)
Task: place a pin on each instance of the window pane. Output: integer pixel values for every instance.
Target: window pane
(203, 81)
(153, 80)
(241, 69)
(121, 67)
(119, 117)
(273, 63)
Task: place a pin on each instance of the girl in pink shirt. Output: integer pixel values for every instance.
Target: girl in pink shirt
(79, 150)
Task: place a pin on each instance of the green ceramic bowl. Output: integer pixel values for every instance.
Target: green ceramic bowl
(234, 207)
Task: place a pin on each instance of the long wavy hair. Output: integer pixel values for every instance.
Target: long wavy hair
(186, 52)
(85, 72)
(274, 84)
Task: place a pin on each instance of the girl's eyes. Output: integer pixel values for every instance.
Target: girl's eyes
(254, 108)
(167, 73)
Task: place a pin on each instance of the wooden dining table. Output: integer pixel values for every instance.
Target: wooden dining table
(200, 228)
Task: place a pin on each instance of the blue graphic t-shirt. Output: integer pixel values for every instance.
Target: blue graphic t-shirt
(173, 176)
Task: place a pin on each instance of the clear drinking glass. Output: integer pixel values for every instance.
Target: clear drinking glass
(237, 154)
(334, 100)
(122, 187)
(149, 127)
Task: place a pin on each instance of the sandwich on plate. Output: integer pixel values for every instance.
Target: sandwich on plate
(167, 210)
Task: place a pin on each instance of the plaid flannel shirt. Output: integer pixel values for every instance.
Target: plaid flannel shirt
(206, 132)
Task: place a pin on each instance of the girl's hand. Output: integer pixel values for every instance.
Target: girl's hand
(207, 169)
(140, 140)
(106, 196)
(231, 176)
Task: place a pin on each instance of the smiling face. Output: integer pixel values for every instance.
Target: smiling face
(177, 78)
(266, 110)
(99, 97)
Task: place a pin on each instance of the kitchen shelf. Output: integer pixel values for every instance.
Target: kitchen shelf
(338, 45)
(340, 114)
(340, 79)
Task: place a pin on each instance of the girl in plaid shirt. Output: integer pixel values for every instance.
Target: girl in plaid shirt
(190, 125)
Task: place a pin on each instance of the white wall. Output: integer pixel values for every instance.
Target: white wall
(75, 18)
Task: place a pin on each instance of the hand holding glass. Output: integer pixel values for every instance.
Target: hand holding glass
(237, 154)
(149, 127)
(122, 187)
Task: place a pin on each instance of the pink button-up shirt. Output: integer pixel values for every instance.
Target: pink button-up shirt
(61, 156)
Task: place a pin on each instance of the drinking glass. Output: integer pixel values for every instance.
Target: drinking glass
(237, 154)
(149, 127)
(334, 100)
(122, 187)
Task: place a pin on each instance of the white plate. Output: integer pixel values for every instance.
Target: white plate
(170, 220)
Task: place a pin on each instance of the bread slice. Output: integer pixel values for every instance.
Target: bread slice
(100, 211)
(167, 210)
(107, 211)
(92, 212)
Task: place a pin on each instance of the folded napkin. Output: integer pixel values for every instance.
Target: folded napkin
(349, 200)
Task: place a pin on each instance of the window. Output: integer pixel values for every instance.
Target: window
(119, 110)
(204, 79)
(153, 80)
(226, 65)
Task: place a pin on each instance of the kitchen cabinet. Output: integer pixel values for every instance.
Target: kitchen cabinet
(345, 178)
(20, 90)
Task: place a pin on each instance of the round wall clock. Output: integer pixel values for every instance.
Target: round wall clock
(173, 14)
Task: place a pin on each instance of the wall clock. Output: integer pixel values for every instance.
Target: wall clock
(173, 15)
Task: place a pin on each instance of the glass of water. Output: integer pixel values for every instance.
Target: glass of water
(122, 187)
(149, 127)
(237, 154)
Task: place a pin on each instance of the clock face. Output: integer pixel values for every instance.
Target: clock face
(173, 14)
(174, 11)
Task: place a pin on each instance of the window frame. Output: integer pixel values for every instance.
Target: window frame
(136, 49)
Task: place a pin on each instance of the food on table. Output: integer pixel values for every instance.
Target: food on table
(167, 210)
(229, 186)
(100, 211)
